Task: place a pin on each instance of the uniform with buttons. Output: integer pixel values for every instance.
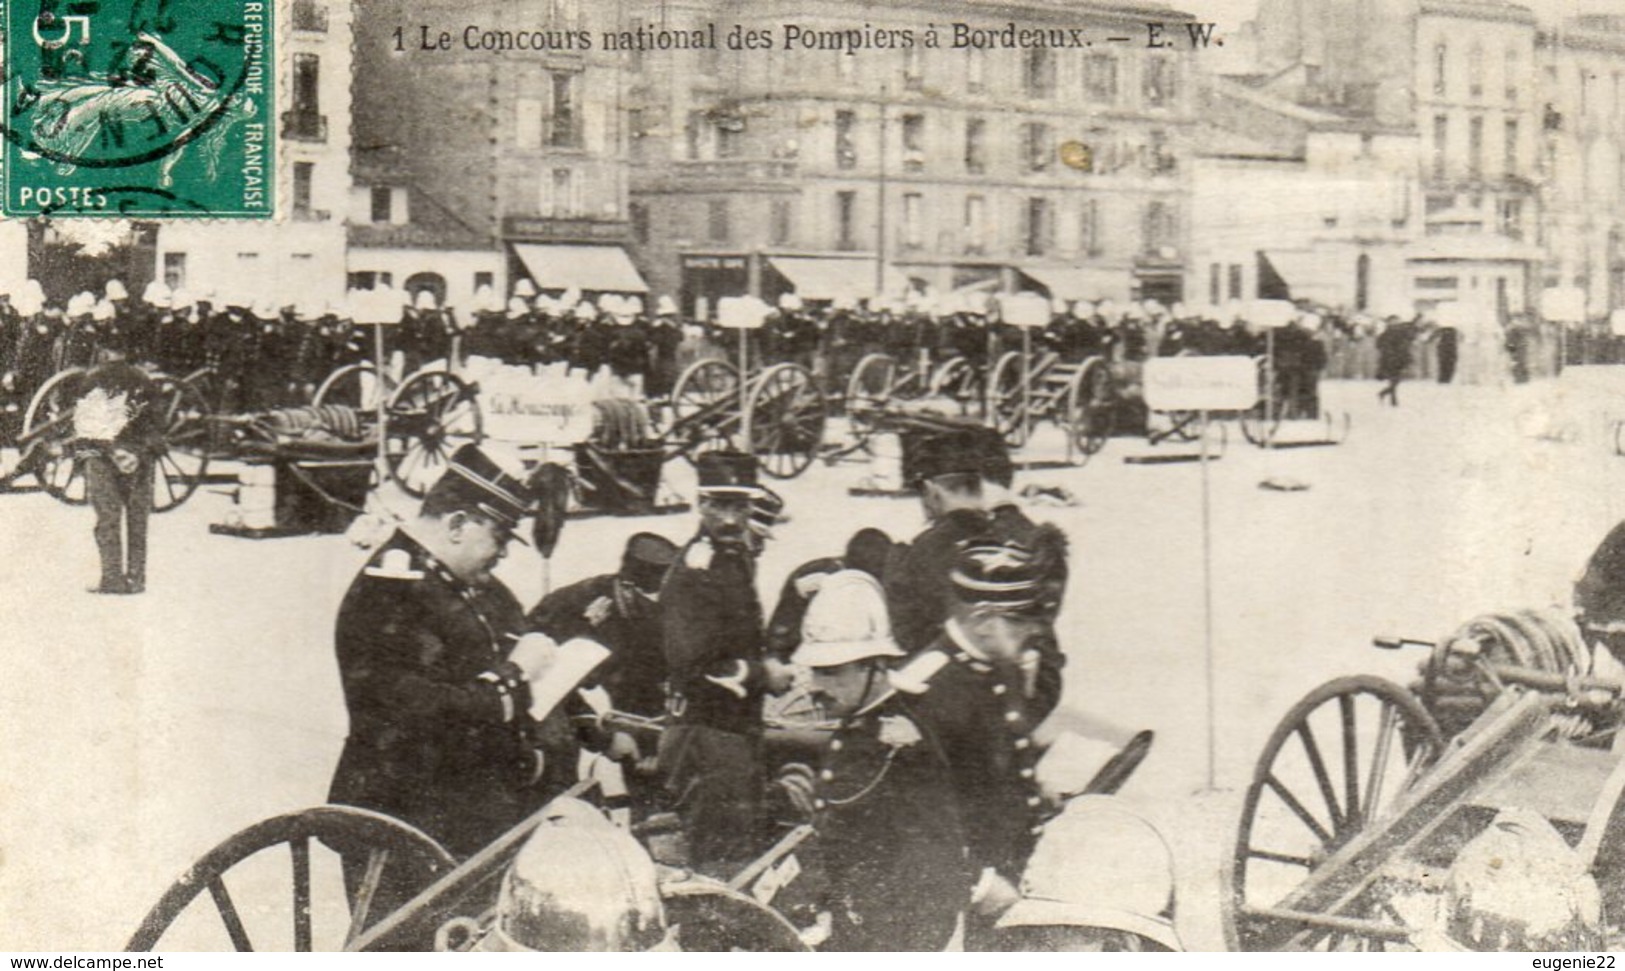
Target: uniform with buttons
(890, 836)
(439, 734)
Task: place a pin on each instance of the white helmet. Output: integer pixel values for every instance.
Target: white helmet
(845, 622)
(666, 306)
(115, 291)
(580, 883)
(1099, 865)
(524, 288)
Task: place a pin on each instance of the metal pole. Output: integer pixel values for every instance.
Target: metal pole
(1026, 381)
(880, 228)
(1207, 601)
(383, 411)
(744, 396)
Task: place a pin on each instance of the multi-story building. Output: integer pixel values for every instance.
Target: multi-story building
(1458, 74)
(1307, 204)
(1580, 148)
(810, 167)
(490, 147)
(300, 253)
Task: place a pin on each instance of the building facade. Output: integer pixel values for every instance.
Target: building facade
(301, 253)
(839, 172)
(1581, 151)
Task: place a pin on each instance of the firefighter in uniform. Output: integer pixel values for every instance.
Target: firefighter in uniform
(117, 431)
(621, 611)
(982, 688)
(710, 753)
(435, 680)
(890, 839)
(951, 471)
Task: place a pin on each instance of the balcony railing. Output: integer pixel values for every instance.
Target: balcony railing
(304, 126)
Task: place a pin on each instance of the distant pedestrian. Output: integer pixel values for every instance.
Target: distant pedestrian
(116, 434)
(1449, 351)
(1393, 357)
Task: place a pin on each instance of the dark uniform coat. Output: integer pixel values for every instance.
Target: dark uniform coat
(984, 715)
(711, 752)
(917, 585)
(596, 608)
(435, 738)
(890, 838)
(712, 625)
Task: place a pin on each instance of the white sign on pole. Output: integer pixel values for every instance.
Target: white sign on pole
(381, 305)
(741, 313)
(1024, 310)
(1221, 383)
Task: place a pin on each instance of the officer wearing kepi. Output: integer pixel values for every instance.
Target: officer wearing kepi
(711, 752)
(620, 611)
(982, 687)
(435, 681)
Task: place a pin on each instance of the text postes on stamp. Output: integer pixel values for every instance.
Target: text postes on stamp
(138, 108)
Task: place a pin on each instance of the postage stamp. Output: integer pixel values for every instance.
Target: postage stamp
(138, 108)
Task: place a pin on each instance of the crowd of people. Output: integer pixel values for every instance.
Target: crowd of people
(928, 667)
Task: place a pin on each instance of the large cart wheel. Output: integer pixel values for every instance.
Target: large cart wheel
(873, 384)
(277, 902)
(704, 386)
(49, 419)
(1091, 402)
(1007, 406)
(957, 380)
(182, 461)
(355, 385)
(431, 415)
(787, 417)
(1260, 423)
(1334, 765)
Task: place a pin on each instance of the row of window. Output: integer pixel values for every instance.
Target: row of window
(1096, 76)
(1036, 224)
(1445, 80)
(1510, 136)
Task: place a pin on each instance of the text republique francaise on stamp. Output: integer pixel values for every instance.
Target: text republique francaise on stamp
(126, 108)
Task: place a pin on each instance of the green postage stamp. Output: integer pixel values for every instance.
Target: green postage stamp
(138, 108)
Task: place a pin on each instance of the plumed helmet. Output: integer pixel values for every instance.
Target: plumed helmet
(845, 622)
(1099, 865)
(580, 883)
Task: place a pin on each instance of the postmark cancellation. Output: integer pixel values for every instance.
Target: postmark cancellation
(126, 108)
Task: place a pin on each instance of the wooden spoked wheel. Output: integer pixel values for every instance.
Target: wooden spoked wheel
(1007, 405)
(189, 432)
(1334, 765)
(787, 416)
(1260, 423)
(49, 419)
(1090, 407)
(355, 385)
(431, 415)
(280, 885)
(873, 384)
(705, 385)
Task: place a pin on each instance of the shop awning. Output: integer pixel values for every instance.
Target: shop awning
(602, 269)
(1288, 275)
(830, 278)
(1081, 282)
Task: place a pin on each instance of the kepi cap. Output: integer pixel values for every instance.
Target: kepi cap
(495, 491)
(726, 472)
